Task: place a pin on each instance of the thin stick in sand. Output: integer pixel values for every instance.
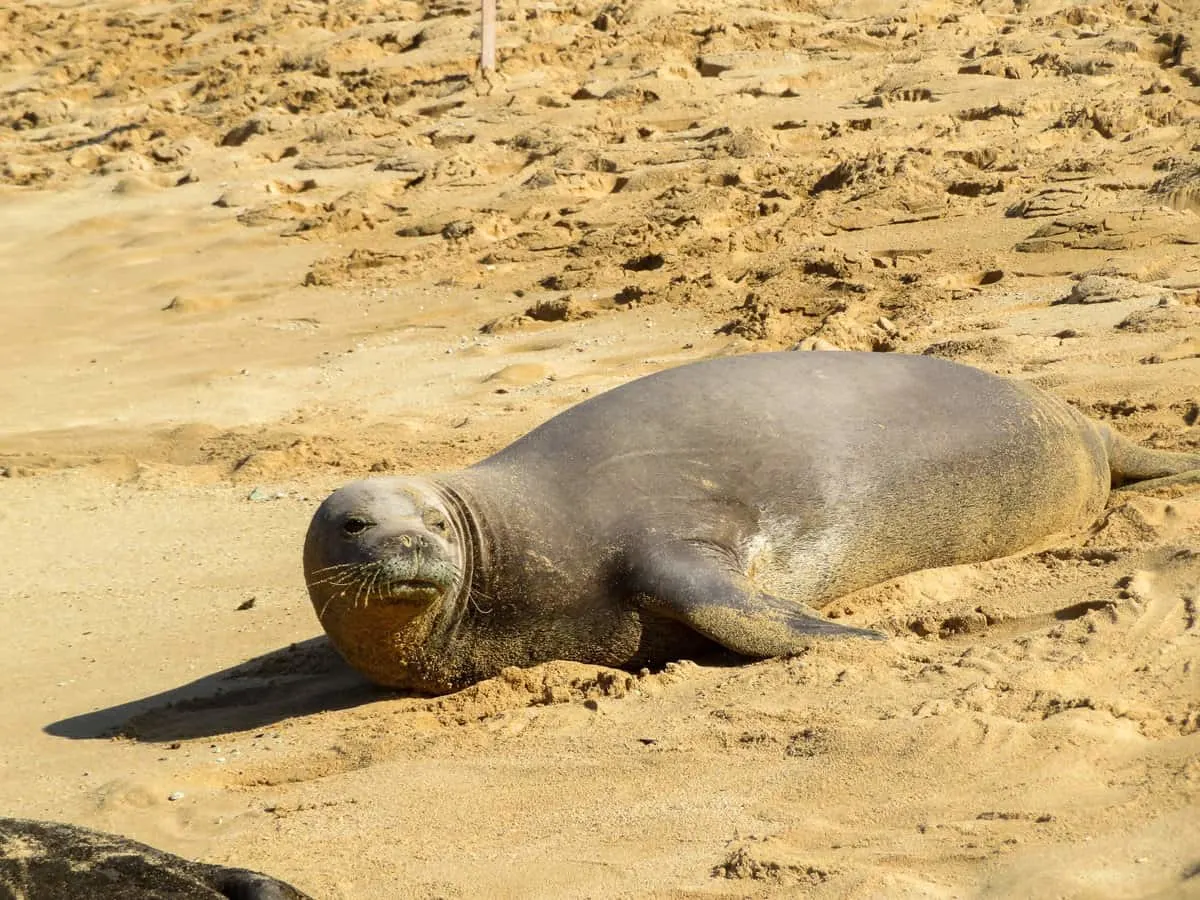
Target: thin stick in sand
(487, 56)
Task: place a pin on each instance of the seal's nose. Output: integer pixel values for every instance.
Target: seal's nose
(411, 542)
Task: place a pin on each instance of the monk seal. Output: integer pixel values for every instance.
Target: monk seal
(50, 861)
(712, 503)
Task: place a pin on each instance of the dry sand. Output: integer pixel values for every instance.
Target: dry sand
(251, 250)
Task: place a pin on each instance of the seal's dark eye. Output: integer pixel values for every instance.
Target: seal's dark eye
(435, 521)
(356, 525)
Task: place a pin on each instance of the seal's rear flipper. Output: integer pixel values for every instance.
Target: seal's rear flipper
(1130, 462)
(1150, 484)
(694, 586)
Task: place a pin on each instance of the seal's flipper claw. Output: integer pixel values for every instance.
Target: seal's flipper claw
(704, 592)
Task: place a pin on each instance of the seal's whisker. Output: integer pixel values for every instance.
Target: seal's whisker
(349, 565)
(352, 565)
(472, 594)
(335, 582)
(374, 580)
(339, 578)
(324, 607)
(359, 589)
(347, 578)
(370, 580)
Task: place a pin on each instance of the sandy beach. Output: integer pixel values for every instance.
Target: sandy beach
(250, 251)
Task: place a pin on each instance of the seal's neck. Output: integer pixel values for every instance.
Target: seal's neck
(496, 513)
(489, 516)
(499, 507)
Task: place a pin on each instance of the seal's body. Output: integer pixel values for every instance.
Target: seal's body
(709, 503)
(49, 861)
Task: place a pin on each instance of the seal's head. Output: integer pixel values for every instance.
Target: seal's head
(387, 560)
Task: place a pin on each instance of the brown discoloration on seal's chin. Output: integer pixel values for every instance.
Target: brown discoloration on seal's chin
(388, 643)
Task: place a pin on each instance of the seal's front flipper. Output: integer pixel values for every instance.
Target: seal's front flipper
(697, 586)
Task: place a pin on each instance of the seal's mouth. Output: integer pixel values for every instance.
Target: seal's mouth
(413, 591)
(405, 584)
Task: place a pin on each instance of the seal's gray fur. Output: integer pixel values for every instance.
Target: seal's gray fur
(711, 503)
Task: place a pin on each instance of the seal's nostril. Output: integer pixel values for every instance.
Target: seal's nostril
(356, 525)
